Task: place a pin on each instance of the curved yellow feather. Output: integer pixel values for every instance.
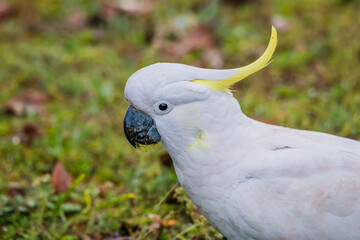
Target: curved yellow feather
(263, 61)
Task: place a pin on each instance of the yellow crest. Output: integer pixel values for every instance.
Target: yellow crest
(243, 72)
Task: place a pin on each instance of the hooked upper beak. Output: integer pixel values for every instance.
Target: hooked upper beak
(140, 128)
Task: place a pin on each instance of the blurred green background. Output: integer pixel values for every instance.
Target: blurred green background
(63, 68)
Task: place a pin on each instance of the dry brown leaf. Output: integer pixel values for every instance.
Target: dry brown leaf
(5, 10)
(60, 178)
(29, 133)
(30, 101)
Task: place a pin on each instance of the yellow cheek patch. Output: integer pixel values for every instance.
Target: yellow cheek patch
(263, 61)
(199, 142)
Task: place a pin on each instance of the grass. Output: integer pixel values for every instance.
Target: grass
(313, 83)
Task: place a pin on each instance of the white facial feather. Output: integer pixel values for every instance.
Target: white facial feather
(193, 105)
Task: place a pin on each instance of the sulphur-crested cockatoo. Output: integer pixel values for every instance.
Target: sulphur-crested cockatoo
(249, 179)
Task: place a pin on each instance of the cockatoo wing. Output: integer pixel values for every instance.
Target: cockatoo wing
(302, 194)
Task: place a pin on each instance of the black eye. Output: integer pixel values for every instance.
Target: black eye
(163, 106)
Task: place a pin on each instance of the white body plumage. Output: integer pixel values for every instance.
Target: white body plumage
(250, 180)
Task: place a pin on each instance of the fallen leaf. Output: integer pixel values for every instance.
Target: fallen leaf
(5, 10)
(29, 102)
(29, 133)
(60, 178)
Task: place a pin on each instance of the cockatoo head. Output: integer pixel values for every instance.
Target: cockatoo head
(176, 103)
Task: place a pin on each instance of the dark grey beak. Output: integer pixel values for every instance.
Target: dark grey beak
(140, 128)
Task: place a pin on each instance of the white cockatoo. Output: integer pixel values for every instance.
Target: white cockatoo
(251, 180)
